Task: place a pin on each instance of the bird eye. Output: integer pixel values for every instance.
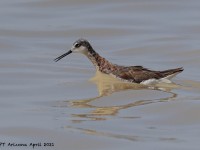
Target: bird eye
(77, 45)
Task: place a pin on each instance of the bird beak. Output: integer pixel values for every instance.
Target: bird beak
(63, 55)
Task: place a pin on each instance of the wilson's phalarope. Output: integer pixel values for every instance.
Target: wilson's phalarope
(134, 74)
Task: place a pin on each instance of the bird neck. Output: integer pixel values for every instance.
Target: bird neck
(99, 62)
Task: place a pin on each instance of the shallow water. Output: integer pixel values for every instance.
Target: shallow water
(65, 103)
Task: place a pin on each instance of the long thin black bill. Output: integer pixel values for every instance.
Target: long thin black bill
(60, 57)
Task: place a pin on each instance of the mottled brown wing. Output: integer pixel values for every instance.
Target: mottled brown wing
(136, 74)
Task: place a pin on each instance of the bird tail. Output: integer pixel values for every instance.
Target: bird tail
(168, 74)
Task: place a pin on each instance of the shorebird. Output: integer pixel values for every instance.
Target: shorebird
(133, 74)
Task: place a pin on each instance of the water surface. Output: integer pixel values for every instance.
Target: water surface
(67, 104)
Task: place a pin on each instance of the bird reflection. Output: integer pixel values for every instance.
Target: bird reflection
(107, 85)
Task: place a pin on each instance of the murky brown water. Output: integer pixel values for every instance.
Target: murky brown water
(44, 101)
